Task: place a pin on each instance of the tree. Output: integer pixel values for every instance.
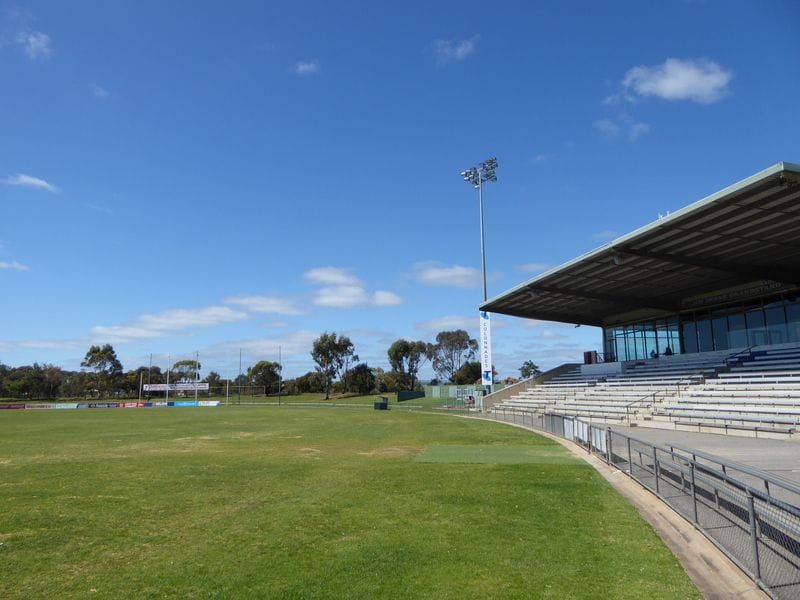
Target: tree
(214, 380)
(468, 374)
(451, 350)
(331, 353)
(406, 358)
(265, 373)
(361, 380)
(103, 361)
(529, 369)
(185, 371)
(313, 381)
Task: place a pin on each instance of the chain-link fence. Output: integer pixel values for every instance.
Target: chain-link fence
(752, 516)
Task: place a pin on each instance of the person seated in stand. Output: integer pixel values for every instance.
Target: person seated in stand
(653, 354)
(668, 351)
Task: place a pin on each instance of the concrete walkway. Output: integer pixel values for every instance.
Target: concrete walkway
(778, 457)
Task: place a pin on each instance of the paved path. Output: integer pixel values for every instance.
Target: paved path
(779, 457)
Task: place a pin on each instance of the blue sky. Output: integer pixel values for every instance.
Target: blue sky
(181, 177)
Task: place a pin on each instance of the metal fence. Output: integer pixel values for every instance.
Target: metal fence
(752, 516)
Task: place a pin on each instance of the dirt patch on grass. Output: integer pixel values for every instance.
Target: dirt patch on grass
(309, 452)
(391, 452)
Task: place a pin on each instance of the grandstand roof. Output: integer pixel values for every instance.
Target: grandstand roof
(740, 241)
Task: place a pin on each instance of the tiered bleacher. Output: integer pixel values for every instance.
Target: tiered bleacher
(758, 395)
(754, 391)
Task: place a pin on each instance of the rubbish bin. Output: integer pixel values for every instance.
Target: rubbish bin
(382, 404)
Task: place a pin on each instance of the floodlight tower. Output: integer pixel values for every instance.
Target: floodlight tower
(476, 177)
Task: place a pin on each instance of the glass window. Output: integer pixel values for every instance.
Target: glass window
(757, 334)
(673, 336)
(719, 327)
(704, 337)
(775, 318)
(689, 337)
(793, 320)
(737, 331)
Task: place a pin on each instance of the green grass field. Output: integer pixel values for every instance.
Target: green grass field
(267, 502)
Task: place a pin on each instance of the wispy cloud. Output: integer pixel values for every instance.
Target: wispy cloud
(434, 273)
(16, 31)
(13, 266)
(538, 159)
(37, 45)
(99, 91)
(264, 304)
(102, 209)
(293, 343)
(22, 180)
(448, 51)
(607, 127)
(310, 67)
(331, 276)
(622, 125)
(449, 323)
(698, 80)
(155, 325)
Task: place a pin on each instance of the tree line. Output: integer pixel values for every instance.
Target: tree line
(337, 370)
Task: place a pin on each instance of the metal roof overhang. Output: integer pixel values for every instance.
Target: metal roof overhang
(745, 237)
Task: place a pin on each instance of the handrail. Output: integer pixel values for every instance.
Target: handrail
(764, 475)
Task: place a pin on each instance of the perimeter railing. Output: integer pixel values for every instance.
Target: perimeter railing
(750, 515)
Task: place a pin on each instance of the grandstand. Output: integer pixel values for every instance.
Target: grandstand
(700, 313)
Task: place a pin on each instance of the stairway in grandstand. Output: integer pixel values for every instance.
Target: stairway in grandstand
(745, 392)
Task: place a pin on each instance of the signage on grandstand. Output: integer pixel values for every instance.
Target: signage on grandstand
(486, 349)
(175, 387)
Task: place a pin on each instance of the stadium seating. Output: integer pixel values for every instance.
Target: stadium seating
(744, 392)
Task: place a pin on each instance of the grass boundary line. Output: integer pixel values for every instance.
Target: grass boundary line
(714, 574)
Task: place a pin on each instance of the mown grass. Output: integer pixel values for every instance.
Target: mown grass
(266, 502)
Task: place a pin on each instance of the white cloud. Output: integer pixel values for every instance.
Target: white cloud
(533, 267)
(433, 273)
(182, 318)
(447, 51)
(13, 265)
(449, 323)
(698, 80)
(538, 159)
(341, 296)
(384, 298)
(264, 304)
(342, 289)
(310, 67)
(298, 342)
(49, 344)
(331, 276)
(37, 45)
(99, 91)
(160, 324)
(22, 180)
